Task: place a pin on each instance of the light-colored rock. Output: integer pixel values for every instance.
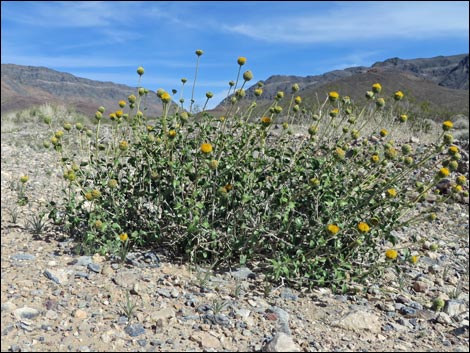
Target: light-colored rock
(282, 342)
(359, 320)
(206, 340)
(80, 314)
(454, 307)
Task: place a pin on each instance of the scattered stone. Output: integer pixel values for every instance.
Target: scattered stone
(23, 257)
(135, 330)
(454, 307)
(26, 313)
(243, 273)
(420, 287)
(94, 267)
(206, 340)
(282, 342)
(58, 276)
(80, 314)
(359, 320)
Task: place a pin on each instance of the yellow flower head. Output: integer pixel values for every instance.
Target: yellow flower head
(248, 75)
(241, 60)
(332, 228)
(112, 116)
(118, 113)
(123, 145)
(67, 126)
(447, 125)
(122, 103)
(59, 134)
(390, 153)
(277, 109)
(213, 164)
(298, 99)
(375, 159)
(312, 130)
(461, 180)
(89, 196)
(166, 98)
(443, 172)
(140, 70)
(363, 227)
(380, 102)
(228, 187)
(172, 134)
(391, 192)
(112, 183)
(95, 193)
(265, 120)
(334, 112)
(376, 88)
(383, 132)
(98, 224)
(391, 254)
(258, 92)
(457, 188)
(333, 96)
(123, 237)
(369, 94)
(295, 87)
(279, 95)
(24, 178)
(132, 98)
(403, 118)
(199, 52)
(339, 153)
(398, 95)
(206, 148)
(414, 259)
(406, 149)
(453, 150)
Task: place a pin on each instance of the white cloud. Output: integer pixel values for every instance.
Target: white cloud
(363, 21)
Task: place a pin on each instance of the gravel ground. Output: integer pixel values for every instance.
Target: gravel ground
(53, 300)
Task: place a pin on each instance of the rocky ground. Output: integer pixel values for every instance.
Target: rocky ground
(53, 300)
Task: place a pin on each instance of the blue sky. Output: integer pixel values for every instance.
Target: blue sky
(107, 41)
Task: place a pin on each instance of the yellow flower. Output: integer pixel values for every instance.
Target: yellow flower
(312, 130)
(59, 134)
(112, 116)
(390, 153)
(166, 98)
(122, 103)
(391, 192)
(398, 95)
(332, 228)
(98, 224)
(447, 125)
(24, 179)
(406, 149)
(89, 196)
(298, 99)
(279, 95)
(67, 126)
(453, 150)
(334, 112)
(118, 113)
(247, 75)
(95, 193)
(214, 164)
(266, 120)
(241, 60)
(333, 96)
(140, 70)
(199, 52)
(172, 134)
(277, 109)
(123, 145)
(206, 148)
(369, 94)
(461, 180)
(408, 160)
(383, 132)
(414, 259)
(403, 118)
(380, 102)
(123, 237)
(457, 188)
(209, 95)
(295, 87)
(376, 88)
(228, 187)
(131, 98)
(391, 254)
(112, 183)
(363, 227)
(258, 92)
(375, 159)
(339, 153)
(443, 172)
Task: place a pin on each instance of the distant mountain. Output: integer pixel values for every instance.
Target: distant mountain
(441, 84)
(25, 86)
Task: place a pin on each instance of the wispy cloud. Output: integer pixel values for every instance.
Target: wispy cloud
(362, 21)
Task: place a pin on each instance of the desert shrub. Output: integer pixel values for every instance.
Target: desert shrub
(315, 208)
